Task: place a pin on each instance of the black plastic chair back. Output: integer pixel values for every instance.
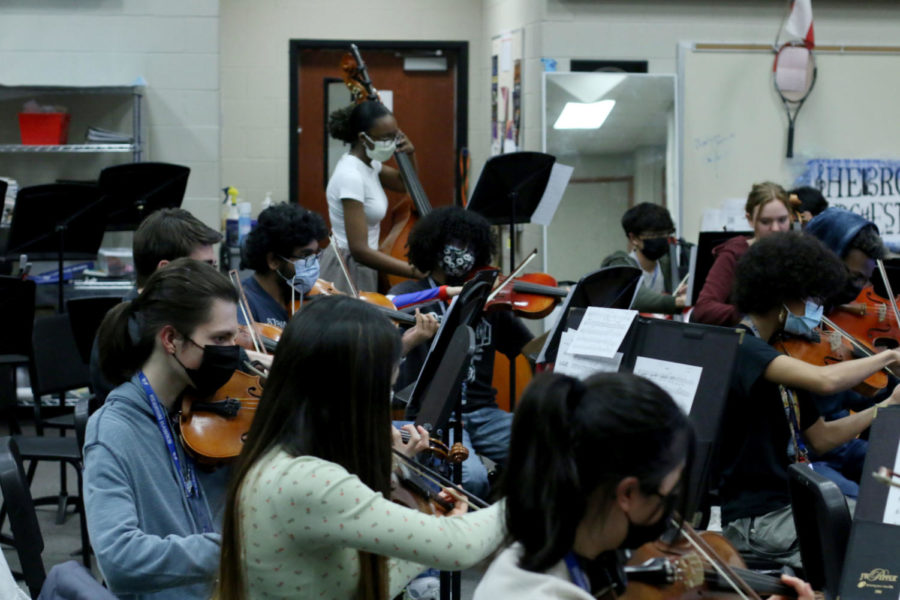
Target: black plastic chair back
(22, 518)
(85, 316)
(822, 519)
(17, 307)
(57, 366)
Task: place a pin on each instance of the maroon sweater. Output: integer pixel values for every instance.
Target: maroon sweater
(713, 306)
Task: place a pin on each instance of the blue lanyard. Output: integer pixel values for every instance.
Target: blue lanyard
(576, 572)
(187, 475)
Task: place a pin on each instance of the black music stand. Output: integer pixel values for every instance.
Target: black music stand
(610, 287)
(57, 221)
(509, 190)
(134, 190)
(872, 559)
(710, 347)
(5, 264)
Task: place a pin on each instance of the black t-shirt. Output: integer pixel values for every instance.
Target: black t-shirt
(498, 331)
(756, 436)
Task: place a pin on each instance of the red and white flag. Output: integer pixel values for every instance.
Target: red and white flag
(799, 24)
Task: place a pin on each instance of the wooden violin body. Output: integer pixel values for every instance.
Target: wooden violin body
(828, 349)
(869, 317)
(268, 334)
(658, 571)
(213, 429)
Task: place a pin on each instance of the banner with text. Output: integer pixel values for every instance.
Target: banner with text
(870, 188)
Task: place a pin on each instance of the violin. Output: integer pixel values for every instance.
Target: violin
(868, 317)
(830, 347)
(269, 335)
(530, 295)
(213, 429)
(418, 481)
(697, 564)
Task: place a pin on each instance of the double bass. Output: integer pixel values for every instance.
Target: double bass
(356, 77)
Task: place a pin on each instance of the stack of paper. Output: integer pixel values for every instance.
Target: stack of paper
(99, 135)
(593, 348)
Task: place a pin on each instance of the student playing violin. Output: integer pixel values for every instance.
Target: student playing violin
(308, 513)
(283, 251)
(780, 283)
(573, 501)
(154, 517)
(163, 236)
(450, 244)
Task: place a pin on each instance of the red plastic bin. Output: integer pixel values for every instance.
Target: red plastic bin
(44, 128)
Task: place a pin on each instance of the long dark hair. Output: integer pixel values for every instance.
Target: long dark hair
(327, 395)
(570, 439)
(179, 294)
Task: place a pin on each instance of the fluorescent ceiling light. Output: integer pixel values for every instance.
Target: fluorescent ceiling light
(579, 115)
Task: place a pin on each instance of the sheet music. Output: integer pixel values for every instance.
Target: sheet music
(678, 379)
(601, 331)
(582, 367)
(553, 193)
(892, 506)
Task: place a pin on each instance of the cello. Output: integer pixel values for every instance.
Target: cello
(356, 78)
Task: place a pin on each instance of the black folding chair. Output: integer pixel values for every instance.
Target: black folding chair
(822, 519)
(17, 303)
(23, 521)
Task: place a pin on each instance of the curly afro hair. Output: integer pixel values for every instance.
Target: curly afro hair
(783, 267)
(279, 229)
(449, 224)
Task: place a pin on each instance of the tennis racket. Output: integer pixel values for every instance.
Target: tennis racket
(794, 75)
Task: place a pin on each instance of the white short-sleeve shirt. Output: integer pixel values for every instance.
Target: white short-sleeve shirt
(355, 180)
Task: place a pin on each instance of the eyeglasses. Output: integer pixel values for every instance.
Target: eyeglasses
(306, 258)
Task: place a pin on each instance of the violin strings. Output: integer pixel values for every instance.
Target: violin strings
(440, 480)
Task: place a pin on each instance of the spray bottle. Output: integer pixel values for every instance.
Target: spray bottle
(230, 216)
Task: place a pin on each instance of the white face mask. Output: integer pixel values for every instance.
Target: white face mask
(383, 149)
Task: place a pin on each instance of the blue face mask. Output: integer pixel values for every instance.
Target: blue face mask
(306, 272)
(804, 325)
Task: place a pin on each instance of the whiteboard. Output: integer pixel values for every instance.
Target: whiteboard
(735, 127)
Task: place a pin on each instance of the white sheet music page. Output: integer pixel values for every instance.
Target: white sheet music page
(582, 367)
(678, 379)
(601, 331)
(892, 506)
(553, 193)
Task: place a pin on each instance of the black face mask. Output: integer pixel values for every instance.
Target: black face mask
(216, 367)
(638, 535)
(655, 248)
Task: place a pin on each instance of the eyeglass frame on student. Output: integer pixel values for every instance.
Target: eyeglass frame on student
(306, 258)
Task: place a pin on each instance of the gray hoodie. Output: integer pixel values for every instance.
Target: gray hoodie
(148, 541)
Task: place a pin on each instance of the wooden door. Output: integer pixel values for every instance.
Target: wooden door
(425, 105)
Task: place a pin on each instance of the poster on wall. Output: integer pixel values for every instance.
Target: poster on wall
(868, 187)
(506, 92)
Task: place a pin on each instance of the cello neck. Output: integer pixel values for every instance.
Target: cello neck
(413, 185)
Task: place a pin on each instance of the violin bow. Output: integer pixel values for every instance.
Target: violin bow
(887, 286)
(353, 291)
(855, 343)
(245, 310)
(740, 586)
(438, 479)
(886, 476)
(518, 271)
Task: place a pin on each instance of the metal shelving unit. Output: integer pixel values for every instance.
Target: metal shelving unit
(27, 91)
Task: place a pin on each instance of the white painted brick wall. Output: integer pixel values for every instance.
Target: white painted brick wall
(173, 44)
